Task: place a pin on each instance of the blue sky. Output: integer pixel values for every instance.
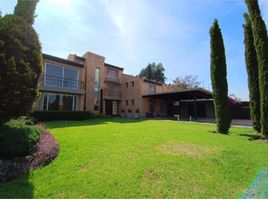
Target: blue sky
(132, 33)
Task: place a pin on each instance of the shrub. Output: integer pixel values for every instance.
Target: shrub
(218, 73)
(261, 46)
(20, 67)
(61, 115)
(253, 74)
(17, 140)
(23, 120)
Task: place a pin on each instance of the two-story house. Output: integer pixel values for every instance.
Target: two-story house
(88, 83)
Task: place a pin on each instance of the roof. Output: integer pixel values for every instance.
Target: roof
(153, 82)
(80, 58)
(113, 66)
(187, 94)
(61, 60)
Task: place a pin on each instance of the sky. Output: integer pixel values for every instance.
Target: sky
(132, 33)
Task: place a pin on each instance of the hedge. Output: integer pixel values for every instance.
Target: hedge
(17, 140)
(61, 115)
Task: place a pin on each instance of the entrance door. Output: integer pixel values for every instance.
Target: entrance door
(111, 107)
(108, 107)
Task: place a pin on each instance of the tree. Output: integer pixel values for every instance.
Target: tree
(187, 82)
(26, 10)
(218, 73)
(154, 72)
(20, 67)
(261, 46)
(253, 76)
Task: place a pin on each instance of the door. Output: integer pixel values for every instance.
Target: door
(108, 107)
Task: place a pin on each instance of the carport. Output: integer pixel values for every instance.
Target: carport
(188, 95)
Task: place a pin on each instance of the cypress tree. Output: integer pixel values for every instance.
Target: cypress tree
(20, 67)
(253, 76)
(261, 46)
(26, 10)
(218, 74)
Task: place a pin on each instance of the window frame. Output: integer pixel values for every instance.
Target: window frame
(62, 76)
(74, 100)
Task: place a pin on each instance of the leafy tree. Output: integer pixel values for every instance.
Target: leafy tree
(218, 78)
(20, 67)
(187, 82)
(261, 46)
(154, 72)
(26, 10)
(253, 76)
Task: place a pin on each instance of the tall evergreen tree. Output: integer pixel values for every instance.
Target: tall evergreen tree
(261, 46)
(26, 10)
(20, 67)
(253, 76)
(218, 78)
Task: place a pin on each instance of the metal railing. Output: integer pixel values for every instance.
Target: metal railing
(112, 93)
(60, 82)
(112, 79)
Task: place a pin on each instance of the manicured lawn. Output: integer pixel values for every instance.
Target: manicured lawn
(117, 158)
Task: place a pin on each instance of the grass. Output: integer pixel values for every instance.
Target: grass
(119, 158)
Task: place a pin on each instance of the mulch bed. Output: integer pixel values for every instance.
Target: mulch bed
(47, 150)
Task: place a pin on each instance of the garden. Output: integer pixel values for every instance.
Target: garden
(121, 158)
(127, 158)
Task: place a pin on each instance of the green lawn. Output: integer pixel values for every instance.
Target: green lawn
(117, 158)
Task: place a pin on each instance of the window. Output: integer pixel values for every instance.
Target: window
(97, 82)
(132, 83)
(70, 78)
(132, 102)
(60, 76)
(112, 74)
(126, 102)
(53, 75)
(151, 89)
(53, 101)
(126, 85)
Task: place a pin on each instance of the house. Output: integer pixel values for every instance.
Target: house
(88, 83)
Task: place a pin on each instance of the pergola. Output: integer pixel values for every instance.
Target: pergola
(187, 94)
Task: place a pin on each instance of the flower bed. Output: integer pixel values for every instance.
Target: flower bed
(46, 151)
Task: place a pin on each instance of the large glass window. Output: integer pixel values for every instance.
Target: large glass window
(70, 78)
(97, 82)
(112, 75)
(60, 76)
(53, 75)
(53, 101)
(151, 89)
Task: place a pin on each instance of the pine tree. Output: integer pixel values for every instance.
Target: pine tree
(26, 10)
(218, 78)
(261, 46)
(253, 76)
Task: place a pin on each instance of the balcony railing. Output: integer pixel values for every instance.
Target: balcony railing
(112, 79)
(60, 82)
(112, 93)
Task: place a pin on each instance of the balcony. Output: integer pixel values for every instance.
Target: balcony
(112, 80)
(59, 84)
(111, 94)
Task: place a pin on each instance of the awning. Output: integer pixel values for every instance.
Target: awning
(187, 94)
